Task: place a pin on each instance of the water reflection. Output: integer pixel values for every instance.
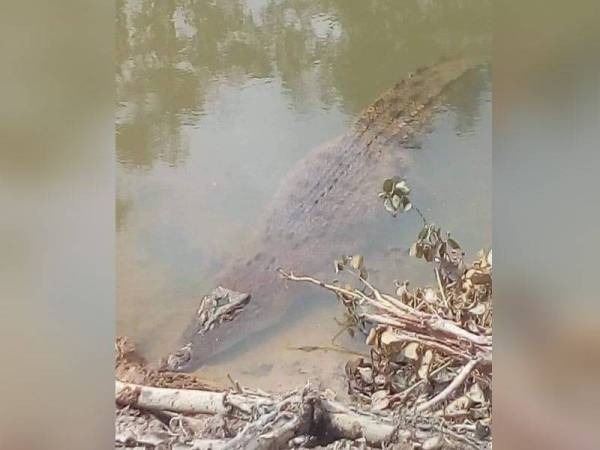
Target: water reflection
(334, 52)
(478, 83)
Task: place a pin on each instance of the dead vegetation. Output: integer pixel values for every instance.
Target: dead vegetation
(426, 383)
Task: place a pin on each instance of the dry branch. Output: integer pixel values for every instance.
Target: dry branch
(441, 334)
(443, 325)
(455, 384)
(186, 400)
(279, 420)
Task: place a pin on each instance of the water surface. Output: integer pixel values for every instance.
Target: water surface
(219, 100)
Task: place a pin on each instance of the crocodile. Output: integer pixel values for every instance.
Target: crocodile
(333, 188)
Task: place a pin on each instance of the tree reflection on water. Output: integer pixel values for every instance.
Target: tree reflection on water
(170, 53)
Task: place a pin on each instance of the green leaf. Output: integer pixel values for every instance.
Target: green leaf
(388, 185)
(402, 187)
(387, 204)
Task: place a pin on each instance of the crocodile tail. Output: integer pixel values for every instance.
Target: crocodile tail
(412, 99)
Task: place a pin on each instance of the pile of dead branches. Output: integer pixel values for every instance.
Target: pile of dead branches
(202, 417)
(431, 347)
(431, 350)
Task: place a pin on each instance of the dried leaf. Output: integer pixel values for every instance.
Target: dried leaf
(481, 278)
(453, 244)
(411, 351)
(469, 273)
(380, 380)
(366, 374)
(419, 251)
(356, 262)
(478, 309)
(458, 406)
(380, 400)
(475, 394)
(372, 337)
(430, 296)
(402, 289)
(390, 341)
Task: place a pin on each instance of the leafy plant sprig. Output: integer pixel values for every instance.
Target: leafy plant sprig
(395, 195)
(431, 245)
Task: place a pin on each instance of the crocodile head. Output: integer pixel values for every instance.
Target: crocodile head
(222, 305)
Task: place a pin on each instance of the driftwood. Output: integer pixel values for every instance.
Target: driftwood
(272, 421)
(182, 400)
(298, 419)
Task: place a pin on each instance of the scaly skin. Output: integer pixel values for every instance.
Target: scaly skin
(333, 189)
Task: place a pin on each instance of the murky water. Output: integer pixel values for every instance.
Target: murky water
(218, 101)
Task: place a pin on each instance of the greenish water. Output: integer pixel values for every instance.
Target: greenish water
(218, 100)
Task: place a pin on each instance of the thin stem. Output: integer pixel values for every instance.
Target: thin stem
(334, 348)
(440, 285)
(339, 333)
(420, 214)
